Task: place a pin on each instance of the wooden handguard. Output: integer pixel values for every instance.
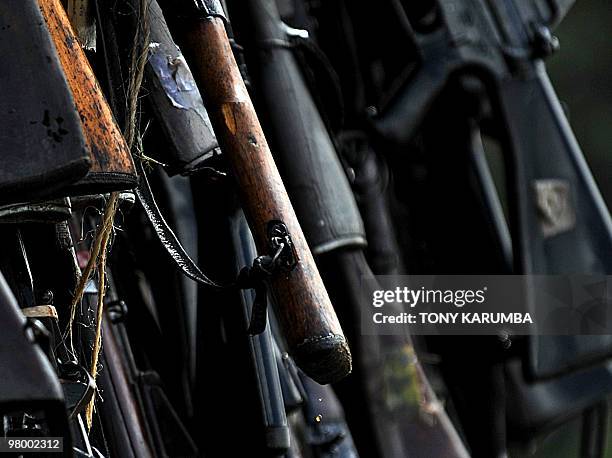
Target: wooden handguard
(112, 166)
(309, 321)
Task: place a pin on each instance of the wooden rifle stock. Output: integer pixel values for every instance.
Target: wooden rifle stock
(112, 167)
(310, 324)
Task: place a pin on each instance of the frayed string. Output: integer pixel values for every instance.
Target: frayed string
(100, 245)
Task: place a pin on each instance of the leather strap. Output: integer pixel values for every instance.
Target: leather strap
(281, 258)
(166, 236)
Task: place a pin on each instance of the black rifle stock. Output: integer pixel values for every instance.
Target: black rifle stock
(559, 223)
(302, 146)
(43, 147)
(176, 101)
(29, 381)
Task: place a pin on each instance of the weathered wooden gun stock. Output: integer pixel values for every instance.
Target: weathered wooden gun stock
(43, 148)
(112, 168)
(309, 321)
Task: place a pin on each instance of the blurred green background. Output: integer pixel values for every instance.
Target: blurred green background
(582, 75)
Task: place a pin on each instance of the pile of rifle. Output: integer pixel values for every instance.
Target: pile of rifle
(193, 191)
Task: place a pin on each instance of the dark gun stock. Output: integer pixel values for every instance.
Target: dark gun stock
(309, 321)
(564, 224)
(303, 148)
(112, 168)
(29, 382)
(176, 102)
(43, 148)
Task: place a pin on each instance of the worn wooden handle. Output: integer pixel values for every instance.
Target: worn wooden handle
(309, 321)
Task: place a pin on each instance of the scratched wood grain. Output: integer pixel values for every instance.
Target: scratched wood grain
(112, 166)
(308, 319)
